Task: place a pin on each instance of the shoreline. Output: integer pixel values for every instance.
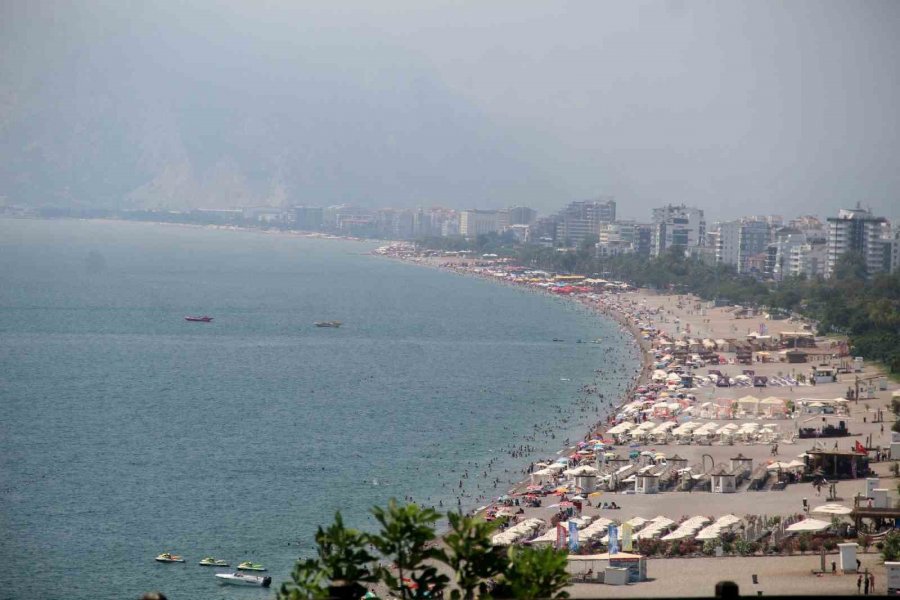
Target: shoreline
(612, 407)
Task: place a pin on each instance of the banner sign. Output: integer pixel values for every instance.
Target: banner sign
(573, 536)
(626, 537)
(613, 540)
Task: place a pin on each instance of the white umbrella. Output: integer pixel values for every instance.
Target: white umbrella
(832, 509)
(809, 525)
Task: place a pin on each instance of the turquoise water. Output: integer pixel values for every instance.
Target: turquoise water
(126, 431)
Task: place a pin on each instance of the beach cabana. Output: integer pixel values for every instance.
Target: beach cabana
(723, 481)
(646, 483)
(772, 406)
(748, 405)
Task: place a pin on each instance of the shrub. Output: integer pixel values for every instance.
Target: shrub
(787, 546)
(689, 547)
(742, 547)
(709, 547)
(891, 547)
(803, 542)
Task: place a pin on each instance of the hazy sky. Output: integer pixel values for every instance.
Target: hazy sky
(737, 107)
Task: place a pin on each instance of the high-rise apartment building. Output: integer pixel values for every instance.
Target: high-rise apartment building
(808, 260)
(521, 215)
(786, 239)
(858, 230)
(581, 219)
(677, 227)
(307, 218)
(895, 249)
(476, 222)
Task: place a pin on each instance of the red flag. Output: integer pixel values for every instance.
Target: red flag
(860, 448)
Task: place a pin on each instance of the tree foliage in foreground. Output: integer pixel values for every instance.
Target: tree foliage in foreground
(408, 543)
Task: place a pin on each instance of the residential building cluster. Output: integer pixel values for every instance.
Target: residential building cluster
(766, 247)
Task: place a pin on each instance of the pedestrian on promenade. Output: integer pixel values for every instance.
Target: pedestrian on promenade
(866, 585)
(859, 585)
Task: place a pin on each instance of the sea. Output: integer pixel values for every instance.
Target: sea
(126, 431)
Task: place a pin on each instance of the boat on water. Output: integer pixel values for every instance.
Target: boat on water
(165, 557)
(328, 324)
(212, 562)
(251, 566)
(203, 319)
(237, 578)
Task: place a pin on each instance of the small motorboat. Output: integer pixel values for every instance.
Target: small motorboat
(251, 566)
(165, 557)
(328, 324)
(203, 319)
(244, 579)
(212, 562)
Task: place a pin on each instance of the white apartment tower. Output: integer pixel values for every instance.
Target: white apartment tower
(677, 226)
(858, 230)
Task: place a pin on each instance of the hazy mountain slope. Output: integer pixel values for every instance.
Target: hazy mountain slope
(161, 120)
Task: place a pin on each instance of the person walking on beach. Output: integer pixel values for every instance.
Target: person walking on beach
(866, 585)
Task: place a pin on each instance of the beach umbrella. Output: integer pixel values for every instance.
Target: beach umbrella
(832, 509)
(808, 525)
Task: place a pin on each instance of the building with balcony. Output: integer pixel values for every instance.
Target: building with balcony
(677, 226)
(858, 230)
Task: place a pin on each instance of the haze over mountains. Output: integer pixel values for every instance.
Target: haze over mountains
(160, 120)
(786, 108)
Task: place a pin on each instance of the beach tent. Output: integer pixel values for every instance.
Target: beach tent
(808, 525)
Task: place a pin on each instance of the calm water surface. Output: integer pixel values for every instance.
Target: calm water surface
(126, 431)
